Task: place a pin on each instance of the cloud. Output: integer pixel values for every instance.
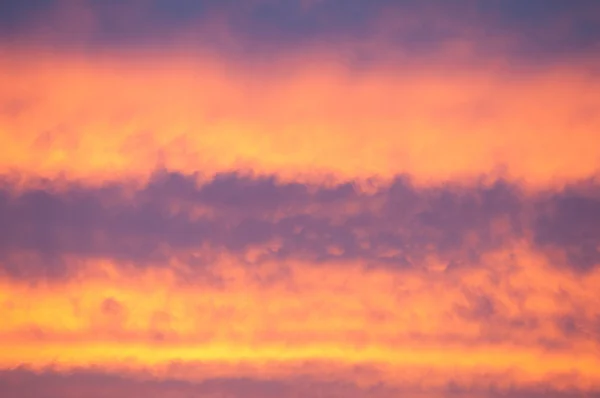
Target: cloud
(261, 218)
(301, 118)
(538, 29)
(384, 198)
(571, 220)
(23, 384)
(173, 214)
(508, 319)
(245, 270)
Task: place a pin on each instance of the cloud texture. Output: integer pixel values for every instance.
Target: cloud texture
(299, 198)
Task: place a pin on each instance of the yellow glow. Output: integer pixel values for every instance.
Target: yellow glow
(112, 315)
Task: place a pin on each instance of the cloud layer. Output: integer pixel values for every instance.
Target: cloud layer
(531, 32)
(260, 218)
(243, 272)
(299, 198)
(301, 118)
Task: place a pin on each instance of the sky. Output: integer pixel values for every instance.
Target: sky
(299, 198)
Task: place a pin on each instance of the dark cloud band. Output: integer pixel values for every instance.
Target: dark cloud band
(399, 224)
(536, 29)
(21, 383)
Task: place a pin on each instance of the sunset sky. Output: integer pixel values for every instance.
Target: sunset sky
(299, 198)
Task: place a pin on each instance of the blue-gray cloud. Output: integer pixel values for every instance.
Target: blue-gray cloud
(571, 220)
(537, 29)
(22, 383)
(399, 224)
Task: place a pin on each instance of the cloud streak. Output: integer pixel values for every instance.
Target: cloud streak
(52, 385)
(260, 218)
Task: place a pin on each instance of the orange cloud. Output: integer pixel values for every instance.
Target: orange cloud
(512, 315)
(111, 116)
